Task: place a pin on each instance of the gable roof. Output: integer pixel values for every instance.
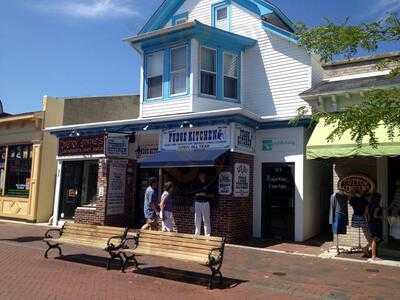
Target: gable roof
(168, 8)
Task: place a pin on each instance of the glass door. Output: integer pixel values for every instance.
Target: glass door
(278, 197)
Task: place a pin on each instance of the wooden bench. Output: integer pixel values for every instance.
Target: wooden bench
(206, 251)
(101, 237)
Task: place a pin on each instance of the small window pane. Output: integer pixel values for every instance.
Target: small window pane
(230, 88)
(178, 59)
(222, 13)
(208, 83)
(178, 82)
(180, 21)
(19, 163)
(155, 64)
(154, 87)
(208, 59)
(231, 65)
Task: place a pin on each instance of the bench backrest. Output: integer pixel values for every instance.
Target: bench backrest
(179, 242)
(90, 234)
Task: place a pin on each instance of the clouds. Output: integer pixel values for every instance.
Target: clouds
(381, 7)
(90, 9)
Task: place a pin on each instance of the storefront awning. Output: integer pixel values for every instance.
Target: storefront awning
(319, 147)
(170, 159)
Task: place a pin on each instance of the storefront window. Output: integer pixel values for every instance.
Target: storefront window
(186, 181)
(2, 169)
(19, 165)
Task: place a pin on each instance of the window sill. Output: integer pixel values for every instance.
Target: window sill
(14, 198)
(172, 97)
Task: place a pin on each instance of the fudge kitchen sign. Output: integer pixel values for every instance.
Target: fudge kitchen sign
(201, 138)
(244, 139)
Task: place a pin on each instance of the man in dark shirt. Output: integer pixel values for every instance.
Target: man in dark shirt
(203, 195)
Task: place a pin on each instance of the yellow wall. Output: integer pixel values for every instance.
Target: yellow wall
(20, 130)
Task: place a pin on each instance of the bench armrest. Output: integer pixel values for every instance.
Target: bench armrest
(131, 242)
(115, 242)
(50, 233)
(215, 256)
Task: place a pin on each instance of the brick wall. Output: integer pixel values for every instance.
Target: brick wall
(98, 216)
(230, 217)
(343, 168)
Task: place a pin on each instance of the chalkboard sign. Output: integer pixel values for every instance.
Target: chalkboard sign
(81, 145)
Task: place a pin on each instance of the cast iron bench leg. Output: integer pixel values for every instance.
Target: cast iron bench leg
(52, 247)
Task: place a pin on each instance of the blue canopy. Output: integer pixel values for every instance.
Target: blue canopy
(170, 159)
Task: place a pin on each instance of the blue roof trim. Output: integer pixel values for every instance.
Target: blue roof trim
(281, 32)
(198, 122)
(202, 32)
(196, 158)
(169, 7)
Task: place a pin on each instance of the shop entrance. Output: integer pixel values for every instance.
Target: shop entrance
(78, 186)
(278, 197)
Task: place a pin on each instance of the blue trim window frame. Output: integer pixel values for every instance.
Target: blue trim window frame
(232, 75)
(216, 8)
(180, 18)
(167, 72)
(220, 74)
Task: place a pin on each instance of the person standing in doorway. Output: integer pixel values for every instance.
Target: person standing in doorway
(375, 224)
(202, 197)
(150, 205)
(166, 207)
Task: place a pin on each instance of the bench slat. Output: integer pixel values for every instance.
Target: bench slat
(173, 255)
(78, 225)
(188, 238)
(173, 248)
(182, 243)
(88, 233)
(182, 235)
(77, 243)
(116, 231)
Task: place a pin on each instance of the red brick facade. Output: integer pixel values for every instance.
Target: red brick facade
(230, 217)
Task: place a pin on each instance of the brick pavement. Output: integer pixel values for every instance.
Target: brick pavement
(251, 274)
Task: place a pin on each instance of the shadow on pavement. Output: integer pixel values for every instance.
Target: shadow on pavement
(187, 277)
(24, 239)
(90, 260)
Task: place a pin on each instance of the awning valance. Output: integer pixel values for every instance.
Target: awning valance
(170, 159)
(319, 147)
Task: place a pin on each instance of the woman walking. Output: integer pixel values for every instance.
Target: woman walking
(166, 207)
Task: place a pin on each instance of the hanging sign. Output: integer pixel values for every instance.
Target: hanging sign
(81, 145)
(146, 145)
(117, 146)
(278, 144)
(188, 139)
(241, 182)
(358, 183)
(244, 138)
(116, 187)
(225, 183)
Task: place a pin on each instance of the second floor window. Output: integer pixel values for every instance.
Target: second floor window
(154, 75)
(178, 70)
(208, 64)
(231, 75)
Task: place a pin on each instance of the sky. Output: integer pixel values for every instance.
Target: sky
(74, 47)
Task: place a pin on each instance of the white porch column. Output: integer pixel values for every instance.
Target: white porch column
(383, 189)
(56, 205)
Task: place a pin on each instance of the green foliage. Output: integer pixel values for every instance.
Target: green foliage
(379, 106)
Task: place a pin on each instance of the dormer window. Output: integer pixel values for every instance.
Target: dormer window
(220, 15)
(154, 74)
(180, 19)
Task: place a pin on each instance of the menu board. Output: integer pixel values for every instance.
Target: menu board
(241, 182)
(81, 145)
(118, 146)
(116, 187)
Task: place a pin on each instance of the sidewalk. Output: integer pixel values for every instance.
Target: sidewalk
(249, 274)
